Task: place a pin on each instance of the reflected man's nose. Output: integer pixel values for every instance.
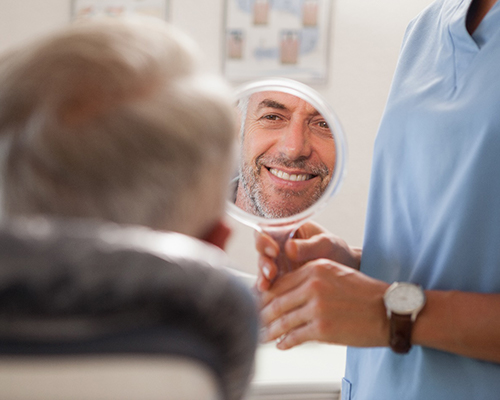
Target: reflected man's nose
(295, 140)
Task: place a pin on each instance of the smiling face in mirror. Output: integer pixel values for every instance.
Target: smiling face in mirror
(288, 155)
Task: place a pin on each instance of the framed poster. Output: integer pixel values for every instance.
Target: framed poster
(114, 8)
(288, 38)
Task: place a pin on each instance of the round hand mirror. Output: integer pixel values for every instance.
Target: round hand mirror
(292, 157)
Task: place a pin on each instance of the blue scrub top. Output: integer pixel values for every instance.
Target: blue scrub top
(434, 206)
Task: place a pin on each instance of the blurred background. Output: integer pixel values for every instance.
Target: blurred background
(364, 42)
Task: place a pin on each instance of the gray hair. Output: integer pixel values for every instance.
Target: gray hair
(242, 106)
(114, 120)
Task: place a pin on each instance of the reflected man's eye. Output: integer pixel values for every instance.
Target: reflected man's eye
(320, 127)
(272, 121)
(320, 124)
(272, 117)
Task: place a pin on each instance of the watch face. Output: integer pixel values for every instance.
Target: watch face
(404, 298)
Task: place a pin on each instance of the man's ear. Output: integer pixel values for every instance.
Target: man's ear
(218, 235)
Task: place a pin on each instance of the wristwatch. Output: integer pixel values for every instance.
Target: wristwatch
(403, 301)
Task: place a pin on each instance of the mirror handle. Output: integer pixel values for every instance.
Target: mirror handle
(281, 235)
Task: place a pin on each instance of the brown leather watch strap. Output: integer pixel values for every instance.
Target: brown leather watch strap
(400, 333)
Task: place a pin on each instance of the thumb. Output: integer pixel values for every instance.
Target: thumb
(303, 250)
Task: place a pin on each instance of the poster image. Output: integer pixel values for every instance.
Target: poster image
(310, 13)
(84, 9)
(288, 38)
(289, 47)
(261, 12)
(235, 44)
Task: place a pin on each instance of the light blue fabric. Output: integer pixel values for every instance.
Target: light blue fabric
(434, 207)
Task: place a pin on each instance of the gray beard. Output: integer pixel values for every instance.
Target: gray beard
(260, 200)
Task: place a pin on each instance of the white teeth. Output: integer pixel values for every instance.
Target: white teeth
(287, 177)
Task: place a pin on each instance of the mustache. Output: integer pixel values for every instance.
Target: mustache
(319, 169)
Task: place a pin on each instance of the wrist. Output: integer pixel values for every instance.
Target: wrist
(356, 253)
(377, 328)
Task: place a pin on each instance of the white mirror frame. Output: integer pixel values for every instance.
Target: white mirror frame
(308, 94)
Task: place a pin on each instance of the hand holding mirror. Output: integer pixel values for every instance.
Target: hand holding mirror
(292, 156)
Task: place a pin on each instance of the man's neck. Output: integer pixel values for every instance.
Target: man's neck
(477, 11)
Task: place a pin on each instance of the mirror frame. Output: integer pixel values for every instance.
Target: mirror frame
(310, 95)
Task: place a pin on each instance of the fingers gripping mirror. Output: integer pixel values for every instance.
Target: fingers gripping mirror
(292, 158)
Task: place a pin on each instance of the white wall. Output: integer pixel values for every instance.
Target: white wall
(365, 41)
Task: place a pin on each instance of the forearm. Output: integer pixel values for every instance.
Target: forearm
(460, 322)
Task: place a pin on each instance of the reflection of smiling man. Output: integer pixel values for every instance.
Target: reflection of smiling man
(288, 155)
